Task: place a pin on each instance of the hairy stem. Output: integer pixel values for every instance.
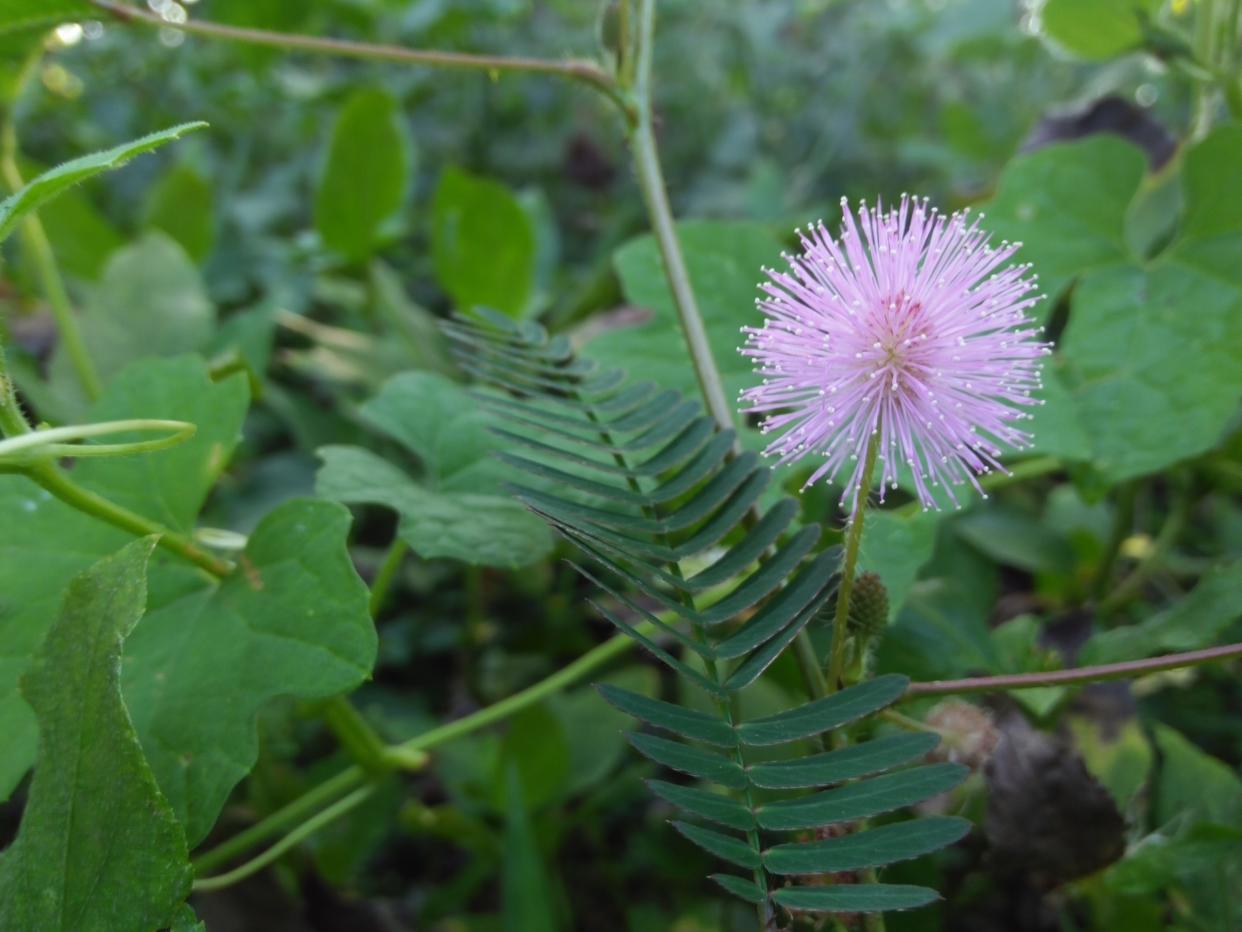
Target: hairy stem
(13, 422)
(39, 249)
(853, 539)
(585, 72)
(655, 196)
(1125, 670)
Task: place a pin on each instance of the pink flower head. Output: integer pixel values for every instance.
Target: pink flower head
(910, 327)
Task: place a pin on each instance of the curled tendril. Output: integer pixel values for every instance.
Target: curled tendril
(65, 442)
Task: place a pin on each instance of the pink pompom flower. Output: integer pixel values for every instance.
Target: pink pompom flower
(910, 328)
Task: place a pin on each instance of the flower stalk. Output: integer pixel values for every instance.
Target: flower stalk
(849, 567)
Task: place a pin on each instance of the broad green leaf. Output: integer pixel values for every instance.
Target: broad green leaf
(150, 301)
(1191, 779)
(863, 799)
(292, 621)
(896, 546)
(442, 424)
(181, 203)
(874, 847)
(858, 760)
(1152, 357)
(725, 847)
(99, 847)
(824, 714)
(50, 183)
(725, 263)
(689, 723)
(1066, 204)
(1097, 29)
(168, 486)
(458, 507)
(1149, 354)
(482, 244)
(487, 530)
(855, 898)
(525, 892)
(364, 180)
(1195, 621)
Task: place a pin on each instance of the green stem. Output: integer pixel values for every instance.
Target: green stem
(655, 196)
(614, 647)
(54, 480)
(840, 621)
(585, 72)
(13, 422)
(1125, 670)
(387, 574)
(294, 813)
(39, 248)
(302, 808)
(305, 830)
(363, 744)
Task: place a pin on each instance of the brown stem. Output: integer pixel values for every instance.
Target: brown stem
(1108, 671)
(587, 72)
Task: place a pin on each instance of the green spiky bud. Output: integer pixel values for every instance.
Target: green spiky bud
(868, 606)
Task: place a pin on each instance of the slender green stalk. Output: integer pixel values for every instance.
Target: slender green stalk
(304, 807)
(1125, 670)
(582, 71)
(54, 480)
(303, 831)
(840, 621)
(655, 196)
(387, 574)
(35, 445)
(292, 814)
(596, 657)
(34, 239)
(362, 742)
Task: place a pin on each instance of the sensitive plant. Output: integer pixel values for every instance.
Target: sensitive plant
(909, 343)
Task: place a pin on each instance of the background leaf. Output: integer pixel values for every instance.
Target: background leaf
(364, 180)
(483, 244)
